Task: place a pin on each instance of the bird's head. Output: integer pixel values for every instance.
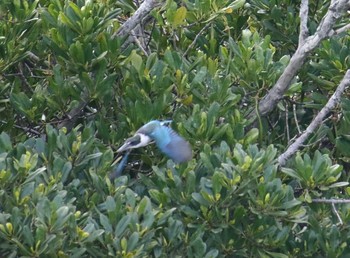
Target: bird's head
(136, 141)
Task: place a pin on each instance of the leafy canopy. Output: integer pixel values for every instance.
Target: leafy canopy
(71, 91)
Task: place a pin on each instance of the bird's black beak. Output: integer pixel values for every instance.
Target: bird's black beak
(124, 147)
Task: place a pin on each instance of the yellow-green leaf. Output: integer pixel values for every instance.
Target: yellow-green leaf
(180, 16)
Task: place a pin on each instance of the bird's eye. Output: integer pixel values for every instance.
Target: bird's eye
(133, 142)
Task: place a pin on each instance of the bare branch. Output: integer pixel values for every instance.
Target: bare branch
(324, 30)
(304, 13)
(72, 116)
(145, 8)
(24, 128)
(332, 102)
(342, 29)
(33, 56)
(139, 44)
(335, 201)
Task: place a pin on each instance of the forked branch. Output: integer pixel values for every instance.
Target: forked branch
(332, 102)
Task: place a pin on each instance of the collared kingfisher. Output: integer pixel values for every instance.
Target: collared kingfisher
(166, 139)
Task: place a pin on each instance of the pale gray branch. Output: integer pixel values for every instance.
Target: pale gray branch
(139, 43)
(332, 102)
(304, 13)
(342, 29)
(145, 8)
(335, 201)
(324, 30)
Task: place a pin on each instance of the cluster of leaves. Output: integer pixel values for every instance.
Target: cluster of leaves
(56, 200)
(70, 90)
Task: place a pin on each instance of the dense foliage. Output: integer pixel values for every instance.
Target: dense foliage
(71, 91)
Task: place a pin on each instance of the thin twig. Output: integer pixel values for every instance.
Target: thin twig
(287, 124)
(24, 128)
(195, 39)
(24, 80)
(139, 44)
(296, 118)
(337, 214)
(151, 32)
(313, 143)
(28, 130)
(332, 102)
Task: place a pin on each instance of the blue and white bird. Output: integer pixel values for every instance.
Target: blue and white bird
(166, 139)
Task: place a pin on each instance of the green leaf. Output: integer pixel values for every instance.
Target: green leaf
(212, 253)
(251, 136)
(216, 181)
(76, 50)
(110, 204)
(21, 102)
(78, 252)
(76, 9)
(200, 75)
(220, 132)
(199, 246)
(93, 235)
(199, 198)
(67, 168)
(100, 58)
(342, 144)
(144, 206)
(33, 175)
(133, 241)
(165, 216)
(62, 217)
(291, 173)
(122, 225)
(136, 61)
(179, 17)
(105, 223)
(5, 142)
(338, 184)
(65, 20)
(90, 157)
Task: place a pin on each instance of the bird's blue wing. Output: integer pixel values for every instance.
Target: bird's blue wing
(173, 145)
